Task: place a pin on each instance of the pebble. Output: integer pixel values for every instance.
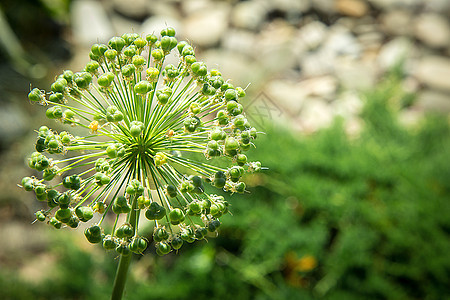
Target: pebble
(431, 100)
(315, 115)
(312, 34)
(433, 30)
(239, 40)
(394, 52)
(206, 27)
(434, 72)
(90, 23)
(397, 22)
(134, 9)
(288, 94)
(352, 8)
(248, 14)
(155, 24)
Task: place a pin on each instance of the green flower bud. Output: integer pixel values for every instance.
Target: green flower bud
(93, 234)
(231, 146)
(82, 79)
(84, 213)
(168, 43)
(140, 43)
(152, 74)
(128, 70)
(35, 95)
(169, 31)
(199, 69)
(59, 85)
(171, 191)
(142, 87)
(111, 54)
(138, 61)
(158, 54)
(92, 67)
(155, 212)
(116, 43)
(109, 243)
(151, 39)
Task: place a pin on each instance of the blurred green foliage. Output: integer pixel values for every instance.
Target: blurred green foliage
(334, 217)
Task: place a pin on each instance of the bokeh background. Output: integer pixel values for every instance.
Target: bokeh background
(354, 97)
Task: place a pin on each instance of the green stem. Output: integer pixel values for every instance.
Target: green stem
(121, 277)
(124, 262)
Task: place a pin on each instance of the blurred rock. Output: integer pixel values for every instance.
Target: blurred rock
(324, 87)
(341, 42)
(390, 4)
(355, 74)
(316, 63)
(287, 94)
(324, 6)
(155, 24)
(312, 34)
(273, 47)
(90, 23)
(434, 71)
(430, 100)
(205, 27)
(348, 104)
(317, 114)
(433, 30)
(192, 6)
(239, 40)
(232, 64)
(293, 6)
(248, 14)
(352, 8)
(134, 9)
(13, 124)
(164, 8)
(394, 52)
(397, 22)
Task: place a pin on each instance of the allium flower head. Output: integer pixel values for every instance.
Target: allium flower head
(155, 134)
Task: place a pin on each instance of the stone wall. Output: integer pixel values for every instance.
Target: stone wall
(310, 59)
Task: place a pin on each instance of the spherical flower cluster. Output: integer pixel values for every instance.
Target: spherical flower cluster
(155, 134)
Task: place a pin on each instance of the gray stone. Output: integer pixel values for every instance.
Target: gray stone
(348, 104)
(232, 65)
(135, 9)
(205, 27)
(394, 52)
(434, 71)
(397, 22)
(289, 95)
(155, 24)
(90, 23)
(239, 40)
(316, 64)
(355, 74)
(192, 6)
(13, 123)
(430, 100)
(294, 6)
(390, 4)
(352, 8)
(324, 87)
(312, 35)
(433, 30)
(273, 47)
(325, 6)
(315, 114)
(248, 14)
(341, 42)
